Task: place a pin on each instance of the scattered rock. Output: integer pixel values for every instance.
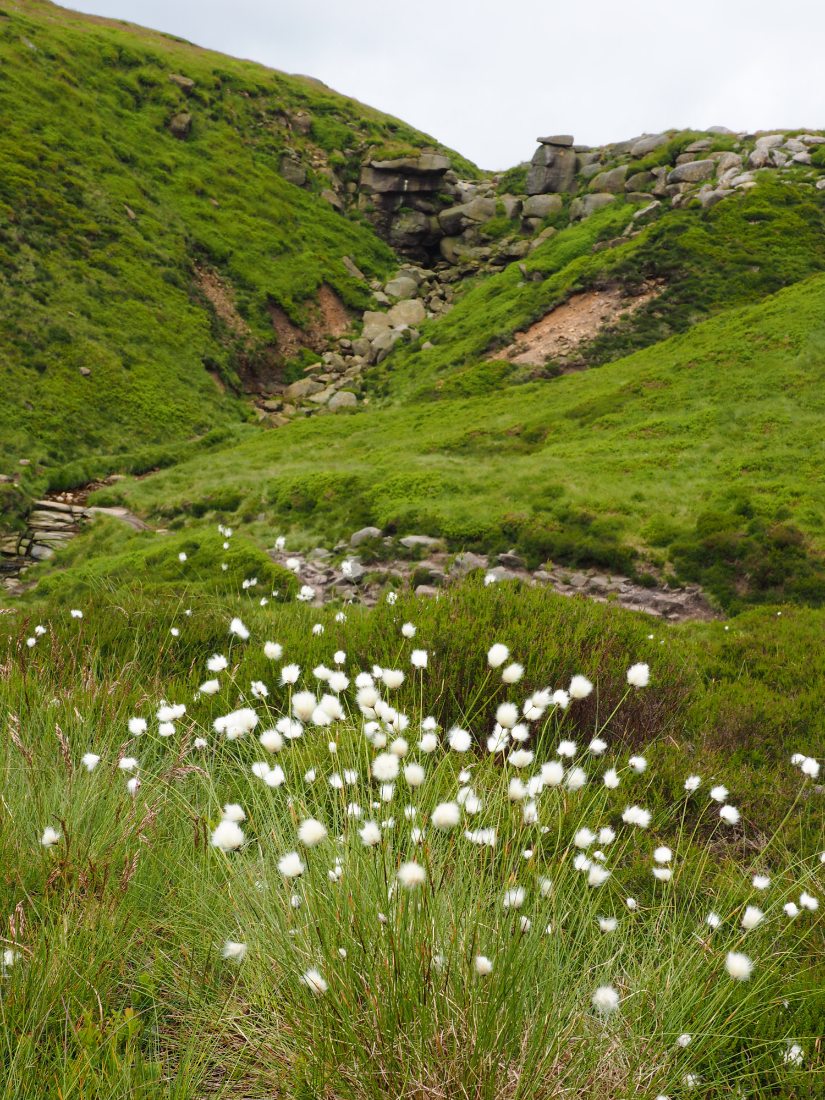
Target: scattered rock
(365, 534)
(541, 206)
(586, 205)
(647, 144)
(183, 82)
(692, 172)
(180, 125)
(409, 312)
(423, 542)
(611, 182)
(402, 286)
(304, 387)
(342, 399)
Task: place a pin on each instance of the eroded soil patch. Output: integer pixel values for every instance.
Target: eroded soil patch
(562, 331)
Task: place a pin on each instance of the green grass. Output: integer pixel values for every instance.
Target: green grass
(699, 454)
(105, 216)
(118, 987)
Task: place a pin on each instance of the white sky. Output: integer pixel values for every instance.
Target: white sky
(486, 78)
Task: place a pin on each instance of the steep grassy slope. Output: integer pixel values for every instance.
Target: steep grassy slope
(701, 455)
(107, 221)
(703, 261)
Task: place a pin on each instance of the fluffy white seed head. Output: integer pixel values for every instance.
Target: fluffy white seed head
(638, 676)
(237, 628)
(313, 980)
(605, 999)
(311, 832)
(739, 966)
(411, 874)
(291, 865)
(497, 654)
(446, 815)
(459, 740)
(580, 687)
(227, 836)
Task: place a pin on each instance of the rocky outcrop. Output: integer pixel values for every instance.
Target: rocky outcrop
(553, 167)
(401, 199)
(51, 524)
(350, 572)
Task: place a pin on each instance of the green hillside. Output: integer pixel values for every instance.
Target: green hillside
(699, 457)
(702, 261)
(113, 231)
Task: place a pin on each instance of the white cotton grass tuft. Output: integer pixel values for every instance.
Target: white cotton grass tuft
(729, 814)
(313, 980)
(459, 739)
(512, 673)
(291, 865)
(605, 1000)
(237, 628)
(411, 874)
(739, 966)
(217, 663)
(50, 837)
(580, 687)
(273, 651)
(514, 898)
(90, 761)
(311, 832)
(234, 951)
(137, 726)
(638, 676)
(228, 836)
(446, 815)
(482, 965)
(751, 917)
(635, 815)
(370, 834)
(497, 654)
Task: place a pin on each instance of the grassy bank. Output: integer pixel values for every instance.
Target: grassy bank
(143, 960)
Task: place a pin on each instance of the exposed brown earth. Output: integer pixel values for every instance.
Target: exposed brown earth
(574, 323)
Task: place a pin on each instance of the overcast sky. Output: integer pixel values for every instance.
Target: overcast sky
(486, 78)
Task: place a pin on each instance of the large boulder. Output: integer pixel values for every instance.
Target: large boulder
(541, 206)
(365, 534)
(304, 387)
(586, 205)
(293, 171)
(185, 83)
(692, 172)
(343, 399)
(402, 286)
(562, 140)
(648, 144)
(552, 170)
(410, 312)
(611, 182)
(374, 324)
(413, 229)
